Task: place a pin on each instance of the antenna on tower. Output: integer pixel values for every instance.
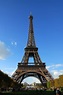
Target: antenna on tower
(30, 13)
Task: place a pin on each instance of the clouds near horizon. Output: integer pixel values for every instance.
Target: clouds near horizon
(4, 51)
(55, 70)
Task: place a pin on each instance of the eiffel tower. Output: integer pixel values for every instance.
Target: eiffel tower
(36, 68)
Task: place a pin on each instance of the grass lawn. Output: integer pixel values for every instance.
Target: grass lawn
(30, 92)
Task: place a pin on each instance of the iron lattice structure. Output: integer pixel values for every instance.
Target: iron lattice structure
(37, 68)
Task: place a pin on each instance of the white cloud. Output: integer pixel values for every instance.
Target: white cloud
(59, 65)
(54, 66)
(9, 71)
(31, 80)
(35, 80)
(14, 43)
(56, 73)
(55, 70)
(4, 51)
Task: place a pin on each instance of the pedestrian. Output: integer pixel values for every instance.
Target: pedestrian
(54, 91)
(58, 92)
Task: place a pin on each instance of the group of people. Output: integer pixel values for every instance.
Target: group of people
(57, 91)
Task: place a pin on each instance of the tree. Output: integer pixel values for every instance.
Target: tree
(61, 80)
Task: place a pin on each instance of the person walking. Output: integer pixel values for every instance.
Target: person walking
(54, 91)
(58, 92)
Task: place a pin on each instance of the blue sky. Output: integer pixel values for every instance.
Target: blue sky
(48, 32)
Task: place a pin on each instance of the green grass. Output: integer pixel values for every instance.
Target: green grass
(30, 92)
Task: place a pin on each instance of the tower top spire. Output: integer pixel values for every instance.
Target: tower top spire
(30, 17)
(31, 40)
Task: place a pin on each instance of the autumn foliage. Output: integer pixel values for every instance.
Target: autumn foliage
(56, 82)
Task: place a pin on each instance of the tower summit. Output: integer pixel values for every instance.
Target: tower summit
(31, 40)
(38, 68)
